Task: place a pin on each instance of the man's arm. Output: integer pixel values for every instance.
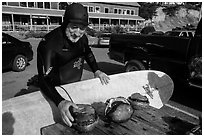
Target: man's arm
(90, 59)
(43, 67)
(48, 88)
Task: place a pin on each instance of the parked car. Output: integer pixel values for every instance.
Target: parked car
(158, 33)
(180, 33)
(133, 32)
(179, 57)
(103, 39)
(15, 53)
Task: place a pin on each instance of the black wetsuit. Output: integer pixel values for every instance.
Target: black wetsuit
(59, 61)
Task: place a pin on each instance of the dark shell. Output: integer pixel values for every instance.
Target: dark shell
(119, 112)
(85, 118)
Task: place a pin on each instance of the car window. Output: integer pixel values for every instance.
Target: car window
(184, 34)
(172, 33)
(190, 34)
(105, 35)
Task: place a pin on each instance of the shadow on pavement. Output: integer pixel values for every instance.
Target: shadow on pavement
(7, 123)
(30, 89)
(32, 84)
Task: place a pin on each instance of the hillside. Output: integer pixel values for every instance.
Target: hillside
(183, 17)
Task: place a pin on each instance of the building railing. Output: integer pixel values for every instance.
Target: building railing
(96, 27)
(28, 27)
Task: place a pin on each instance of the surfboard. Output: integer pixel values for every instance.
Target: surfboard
(155, 85)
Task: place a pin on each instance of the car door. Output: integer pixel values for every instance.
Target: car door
(8, 51)
(195, 64)
(195, 58)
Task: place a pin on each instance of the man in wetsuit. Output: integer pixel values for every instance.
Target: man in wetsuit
(60, 58)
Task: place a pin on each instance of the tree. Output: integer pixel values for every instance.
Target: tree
(63, 5)
(147, 10)
(171, 10)
(193, 5)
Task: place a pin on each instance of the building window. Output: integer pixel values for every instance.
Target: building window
(115, 11)
(91, 9)
(4, 3)
(136, 11)
(23, 4)
(119, 11)
(13, 3)
(63, 5)
(31, 4)
(124, 11)
(47, 5)
(40, 4)
(97, 9)
(128, 12)
(132, 12)
(106, 10)
(54, 5)
(6, 20)
(86, 7)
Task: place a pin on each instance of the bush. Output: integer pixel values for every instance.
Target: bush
(115, 29)
(171, 10)
(193, 5)
(90, 32)
(35, 34)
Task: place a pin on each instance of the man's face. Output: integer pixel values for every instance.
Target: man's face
(75, 31)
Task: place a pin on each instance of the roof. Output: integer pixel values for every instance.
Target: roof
(132, 4)
(135, 4)
(115, 16)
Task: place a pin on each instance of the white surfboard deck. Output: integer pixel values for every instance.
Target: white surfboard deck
(123, 84)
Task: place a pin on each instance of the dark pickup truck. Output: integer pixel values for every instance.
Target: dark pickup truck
(179, 57)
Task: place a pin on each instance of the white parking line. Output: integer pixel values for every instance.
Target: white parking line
(187, 113)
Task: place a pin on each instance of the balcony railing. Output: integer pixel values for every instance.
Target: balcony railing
(28, 27)
(96, 27)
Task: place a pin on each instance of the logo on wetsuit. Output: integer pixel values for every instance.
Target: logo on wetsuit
(77, 64)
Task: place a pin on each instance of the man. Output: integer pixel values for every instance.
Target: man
(60, 58)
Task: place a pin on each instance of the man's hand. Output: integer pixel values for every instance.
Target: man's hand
(102, 76)
(65, 113)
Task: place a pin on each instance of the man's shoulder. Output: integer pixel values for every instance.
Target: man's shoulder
(53, 38)
(54, 34)
(84, 38)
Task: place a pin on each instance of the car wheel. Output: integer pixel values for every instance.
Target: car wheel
(19, 63)
(134, 65)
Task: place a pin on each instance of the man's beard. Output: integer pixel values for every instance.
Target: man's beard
(73, 37)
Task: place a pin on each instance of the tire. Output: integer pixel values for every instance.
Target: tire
(134, 65)
(19, 63)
